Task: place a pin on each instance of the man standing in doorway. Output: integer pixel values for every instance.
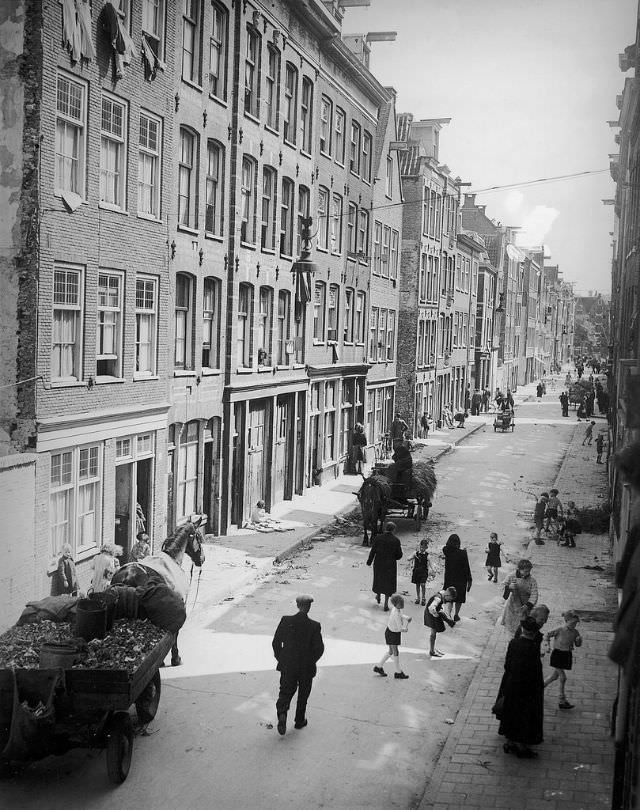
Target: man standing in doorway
(297, 646)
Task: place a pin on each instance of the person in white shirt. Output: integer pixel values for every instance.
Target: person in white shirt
(398, 623)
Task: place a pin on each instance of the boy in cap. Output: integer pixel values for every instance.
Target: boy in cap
(297, 646)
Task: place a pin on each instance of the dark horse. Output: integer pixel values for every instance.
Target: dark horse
(374, 497)
(186, 539)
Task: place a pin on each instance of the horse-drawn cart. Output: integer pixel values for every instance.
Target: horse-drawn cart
(504, 420)
(51, 710)
(382, 496)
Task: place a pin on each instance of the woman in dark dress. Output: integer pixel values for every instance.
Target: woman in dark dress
(358, 443)
(522, 690)
(457, 573)
(385, 553)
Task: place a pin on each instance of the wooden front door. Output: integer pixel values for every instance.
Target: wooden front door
(282, 449)
(255, 488)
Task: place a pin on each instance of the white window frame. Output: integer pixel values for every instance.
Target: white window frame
(377, 248)
(153, 25)
(333, 312)
(72, 179)
(286, 216)
(147, 311)
(367, 143)
(349, 304)
(290, 103)
(214, 189)
(211, 295)
(191, 20)
(386, 251)
(283, 328)
(363, 235)
(64, 305)
(272, 96)
(306, 115)
(149, 167)
(339, 128)
(268, 208)
(188, 458)
(336, 224)
(360, 318)
(323, 218)
(113, 173)
(326, 125)
(395, 247)
(109, 319)
(391, 334)
(264, 337)
(352, 229)
(244, 318)
(355, 148)
(388, 186)
(252, 69)
(184, 360)
(218, 49)
(247, 205)
(187, 179)
(319, 315)
(89, 460)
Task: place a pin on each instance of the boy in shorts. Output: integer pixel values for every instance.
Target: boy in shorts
(565, 639)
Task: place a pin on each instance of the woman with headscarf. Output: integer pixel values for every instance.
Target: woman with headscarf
(520, 590)
(522, 691)
(384, 555)
(457, 572)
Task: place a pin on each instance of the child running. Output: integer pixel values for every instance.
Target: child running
(565, 639)
(398, 623)
(420, 572)
(588, 434)
(435, 616)
(493, 557)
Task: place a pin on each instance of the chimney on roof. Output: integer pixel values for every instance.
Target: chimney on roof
(481, 208)
(469, 200)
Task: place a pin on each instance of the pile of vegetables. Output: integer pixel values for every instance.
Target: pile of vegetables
(125, 647)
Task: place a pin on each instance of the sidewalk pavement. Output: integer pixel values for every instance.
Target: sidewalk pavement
(575, 764)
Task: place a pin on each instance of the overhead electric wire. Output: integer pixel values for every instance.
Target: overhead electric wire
(522, 184)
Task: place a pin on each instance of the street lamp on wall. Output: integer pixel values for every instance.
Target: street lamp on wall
(303, 269)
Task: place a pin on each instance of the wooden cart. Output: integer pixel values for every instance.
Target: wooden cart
(90, 709)
(504, 420)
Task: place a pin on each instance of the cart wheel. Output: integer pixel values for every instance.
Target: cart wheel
(149, 699)
(119, 747)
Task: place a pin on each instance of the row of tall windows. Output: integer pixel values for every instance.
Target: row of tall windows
(189, 201)
(426, 346)
(187, 335)
(428, 278)
(267, 333)
(382, 334)
(327, 311)
(115, 132)
(332, 140)
(385, 250)
(432, 213)
(70, 316)
(460, 330)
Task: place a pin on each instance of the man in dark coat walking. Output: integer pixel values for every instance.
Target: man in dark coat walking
(297, 646)
(385, 552)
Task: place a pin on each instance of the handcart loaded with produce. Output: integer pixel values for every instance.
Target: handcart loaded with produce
(71, 669)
